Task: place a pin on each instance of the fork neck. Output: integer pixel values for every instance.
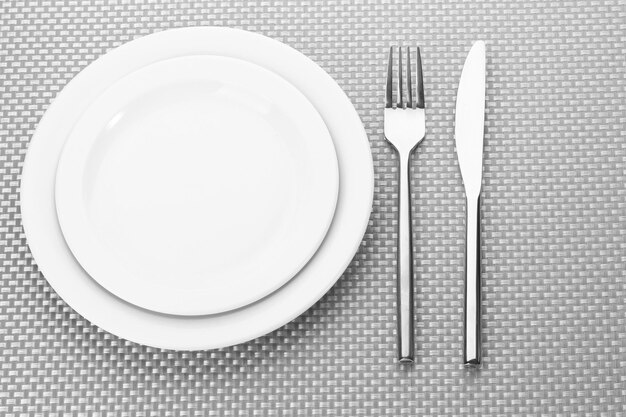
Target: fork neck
(404, 154)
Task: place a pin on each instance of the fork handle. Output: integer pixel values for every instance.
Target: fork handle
(472, 343)
(405, 266)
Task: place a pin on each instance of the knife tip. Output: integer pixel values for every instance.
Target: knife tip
(479, 45)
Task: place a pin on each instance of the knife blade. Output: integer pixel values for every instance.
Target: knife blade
(468, 134)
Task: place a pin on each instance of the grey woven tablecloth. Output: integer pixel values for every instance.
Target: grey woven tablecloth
(554, 222)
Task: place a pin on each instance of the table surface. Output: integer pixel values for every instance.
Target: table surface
(554, 225)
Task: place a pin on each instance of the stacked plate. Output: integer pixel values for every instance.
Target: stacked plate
(197, 188)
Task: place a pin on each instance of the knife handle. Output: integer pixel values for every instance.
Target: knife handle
(472, 355)
(405, 266)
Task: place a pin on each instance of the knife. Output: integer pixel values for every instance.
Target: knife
(468, 134)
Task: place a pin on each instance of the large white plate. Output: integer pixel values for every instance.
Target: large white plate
(197, 185)
(128, 321)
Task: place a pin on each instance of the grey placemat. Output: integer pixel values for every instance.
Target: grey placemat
(554, 222)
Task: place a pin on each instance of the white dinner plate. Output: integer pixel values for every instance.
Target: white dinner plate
(196, 185)
(128, 321)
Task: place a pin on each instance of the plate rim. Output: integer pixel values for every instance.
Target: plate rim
(34, 215)
(95, 258)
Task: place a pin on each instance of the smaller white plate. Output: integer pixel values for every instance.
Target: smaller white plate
(197, 185)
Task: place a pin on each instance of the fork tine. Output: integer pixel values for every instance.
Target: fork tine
(409, 85)
(419, 79)
(389, 90)
(400, 95)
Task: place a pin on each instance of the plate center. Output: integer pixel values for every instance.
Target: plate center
(183, 170)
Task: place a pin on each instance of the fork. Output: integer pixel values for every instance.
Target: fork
(405, 127)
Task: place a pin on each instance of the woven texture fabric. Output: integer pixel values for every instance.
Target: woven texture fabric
(554, 226)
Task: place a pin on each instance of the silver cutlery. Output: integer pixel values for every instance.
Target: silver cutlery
(468, 133)
(404, 128)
